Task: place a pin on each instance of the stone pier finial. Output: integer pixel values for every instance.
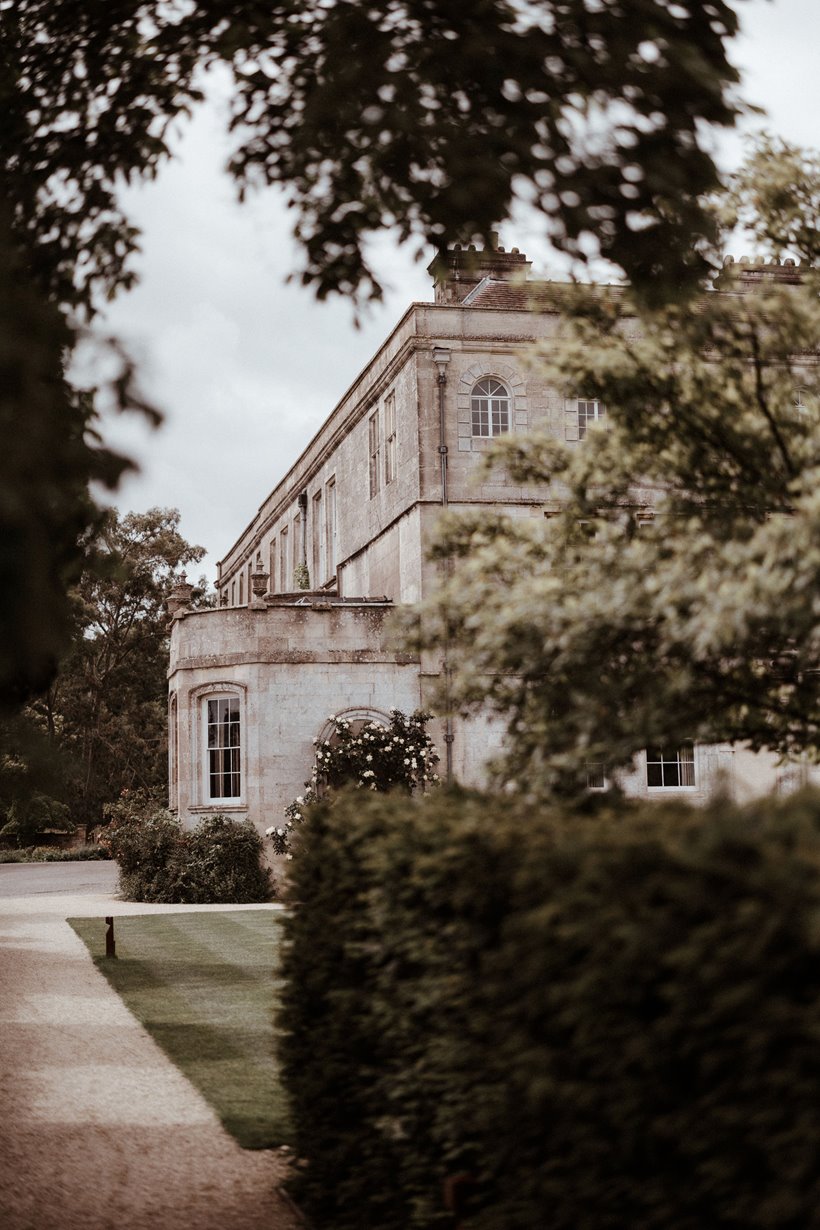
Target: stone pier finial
(179, 598)
(259, 587)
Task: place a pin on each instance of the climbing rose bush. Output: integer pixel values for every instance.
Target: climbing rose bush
(399, 756)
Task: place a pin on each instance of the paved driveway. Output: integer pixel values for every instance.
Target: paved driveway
(98, 1130)
(28, 880)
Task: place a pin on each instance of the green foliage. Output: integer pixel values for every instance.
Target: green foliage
(49, 854)
(775, 197)
(31, 783)
(368, 755)
(49, 457)
(221, 861)
(413, 114)
(87, 95)
(218, 862)
(608, 1015)
(26, 819)
(599, 631)
(144, 839)
(408, 115)
(301, 576)
(106, 709)
(436, 119)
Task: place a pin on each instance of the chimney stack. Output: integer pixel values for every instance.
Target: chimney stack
(458, 270)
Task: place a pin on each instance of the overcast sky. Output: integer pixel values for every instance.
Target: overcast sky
(246, 368)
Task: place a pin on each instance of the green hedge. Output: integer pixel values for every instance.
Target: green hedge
(606, 1020)
(219, 861)
(54, 854)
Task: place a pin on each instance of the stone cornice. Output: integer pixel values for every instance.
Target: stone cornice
(295, 657)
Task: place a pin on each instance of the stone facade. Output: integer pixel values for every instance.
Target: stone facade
(354, 514)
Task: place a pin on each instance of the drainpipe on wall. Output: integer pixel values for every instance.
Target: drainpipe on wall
(441, 357)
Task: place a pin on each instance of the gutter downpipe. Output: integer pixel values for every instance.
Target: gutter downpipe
(441, 357)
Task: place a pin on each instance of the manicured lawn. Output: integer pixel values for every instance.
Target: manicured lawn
(204, 986)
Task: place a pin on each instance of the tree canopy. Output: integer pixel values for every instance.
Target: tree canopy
(674, 594)
(105, 712)
(422, 114)
(50, 455)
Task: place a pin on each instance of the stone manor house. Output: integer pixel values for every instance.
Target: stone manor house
(254, 681)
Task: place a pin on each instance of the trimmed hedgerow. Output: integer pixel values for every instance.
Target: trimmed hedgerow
(606, 1020)
(217, 862)
(54, 854)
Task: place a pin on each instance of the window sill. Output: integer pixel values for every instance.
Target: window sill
(218, 807)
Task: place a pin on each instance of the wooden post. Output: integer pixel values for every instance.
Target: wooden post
(110, 947)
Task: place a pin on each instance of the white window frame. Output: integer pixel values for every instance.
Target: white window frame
(580, 413)
(490, 408)
(670, 762)
(213, 694)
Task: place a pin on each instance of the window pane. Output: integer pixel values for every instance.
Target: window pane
(490, 408)
(671, 773)
(223, 747)
(687, 766)
(670, 767)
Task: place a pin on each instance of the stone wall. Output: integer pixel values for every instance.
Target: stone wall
(292, 667)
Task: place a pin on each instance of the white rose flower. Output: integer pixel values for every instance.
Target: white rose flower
(289, 857)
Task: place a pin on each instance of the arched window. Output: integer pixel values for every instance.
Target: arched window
(490, 405)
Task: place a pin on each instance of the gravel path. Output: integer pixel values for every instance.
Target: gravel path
(98, 1130)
